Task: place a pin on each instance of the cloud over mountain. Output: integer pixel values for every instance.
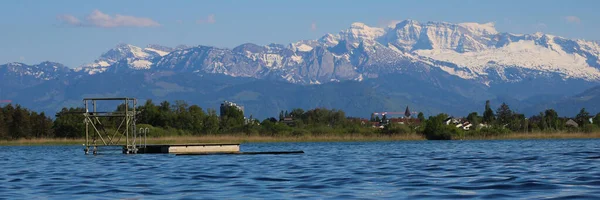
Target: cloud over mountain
(99, 19)
(573, 19)
(210, 19)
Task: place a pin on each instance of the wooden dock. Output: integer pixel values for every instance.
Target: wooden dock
(201, 149)
(189, 148)
(240, 153)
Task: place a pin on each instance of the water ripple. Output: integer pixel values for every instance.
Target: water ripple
(526, 169)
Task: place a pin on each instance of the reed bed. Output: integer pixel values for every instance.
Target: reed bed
(226, 139)
(234, 138)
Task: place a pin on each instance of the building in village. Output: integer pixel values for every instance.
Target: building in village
(572, 123)
(461, 123)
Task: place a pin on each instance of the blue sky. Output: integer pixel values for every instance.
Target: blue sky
(77, 32)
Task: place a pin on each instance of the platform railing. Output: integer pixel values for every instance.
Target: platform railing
(144, 131)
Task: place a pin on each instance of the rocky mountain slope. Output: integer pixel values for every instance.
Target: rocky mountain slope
(434, 61)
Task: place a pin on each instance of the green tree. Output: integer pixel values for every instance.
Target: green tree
(149, 114)
(182, 119)
(68, 124)
(8, 111)
(211, 122)
(41, 126)
(421, 117)
(393, 128)
(582, 117)
(517, 122)
(596, 120)
(297, 113)
(180, 106)
(488, 114)
(542, 124)
(436, 128)
(504, 115)
(165, 116)
(165, 106)
(197, 119)
(45, 125)
(281, 116)
(252, 127)
(232, 119)
(3, 126)
(551, 119)
(474, 118)
(21, 126)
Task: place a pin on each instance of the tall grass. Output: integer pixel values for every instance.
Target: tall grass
(42, 141)
(241, 138)
(226, 139)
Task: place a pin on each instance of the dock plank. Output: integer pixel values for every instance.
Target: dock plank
(239, 153)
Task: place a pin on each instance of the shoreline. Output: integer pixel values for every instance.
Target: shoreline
(224, 139)
(536, 136)
(326, 138)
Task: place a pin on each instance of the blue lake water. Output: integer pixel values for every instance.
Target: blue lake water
(523, 169)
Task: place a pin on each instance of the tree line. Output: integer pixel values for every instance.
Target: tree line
(504, 120)
(18, 122)
(180, 118)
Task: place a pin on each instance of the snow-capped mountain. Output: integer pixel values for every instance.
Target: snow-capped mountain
(134, 57)
(436, 66)
(43, 71)
(470, 51)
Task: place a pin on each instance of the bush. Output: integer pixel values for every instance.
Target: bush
(493, 130)
(391, 129)
(436, 129)
(588, 128)
(161, 132)
(300, 132)
(321, 130)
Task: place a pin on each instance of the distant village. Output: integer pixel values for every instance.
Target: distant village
(380, 119)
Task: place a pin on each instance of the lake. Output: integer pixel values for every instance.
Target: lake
(529, 169)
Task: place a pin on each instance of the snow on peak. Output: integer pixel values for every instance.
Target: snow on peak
(141, 64)
(330, 39)
(16, 64)
(480, 29)
(136, 57)
(304, 48)
(138, 52)
(359, 32)
(525, 54)
(159, 52)
(538, 34)
(358, 25)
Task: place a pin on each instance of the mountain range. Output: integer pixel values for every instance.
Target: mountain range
(431, 67)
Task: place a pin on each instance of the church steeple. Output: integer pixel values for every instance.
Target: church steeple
(407, 113)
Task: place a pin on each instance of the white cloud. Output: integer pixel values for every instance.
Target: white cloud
(99, 19)
(210, 19)
(313, 26)
(573, 19)
(388, 23)
(69, 19)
